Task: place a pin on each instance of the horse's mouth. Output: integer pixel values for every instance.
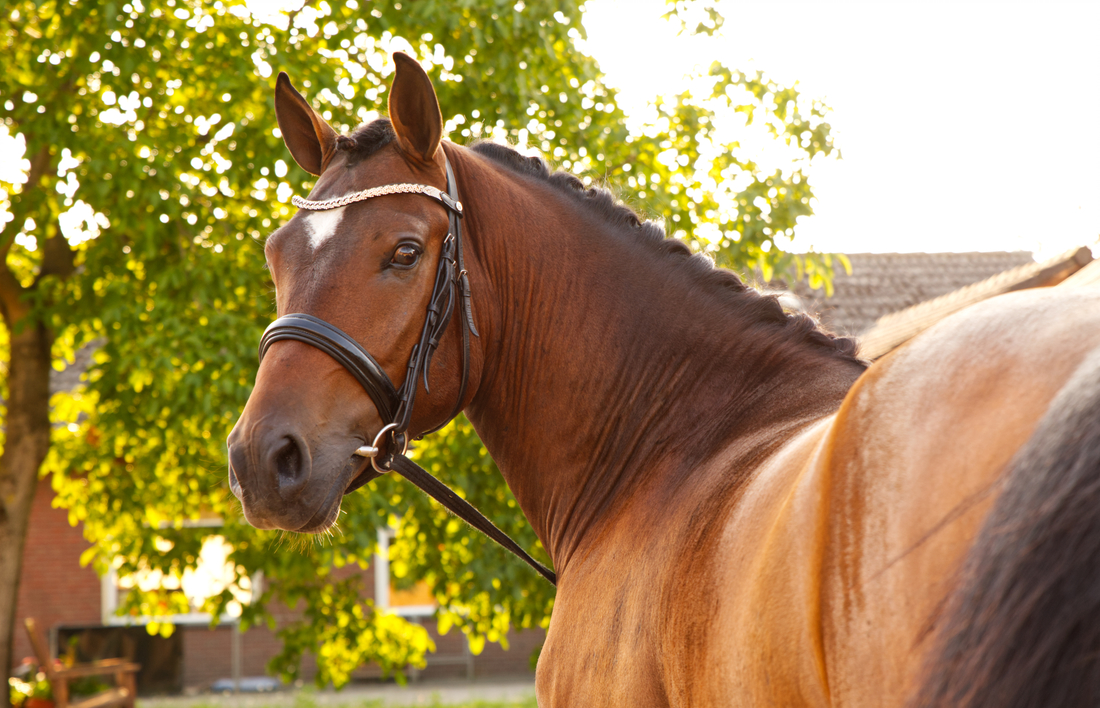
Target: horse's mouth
(323, 520)
(355, 472)
(366, 474)
(329, 509)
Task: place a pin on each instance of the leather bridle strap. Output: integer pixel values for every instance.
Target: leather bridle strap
(395, 405)
(341, 347)
(465, 511)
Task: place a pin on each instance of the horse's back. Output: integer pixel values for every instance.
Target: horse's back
(842, 547)
(915, 457)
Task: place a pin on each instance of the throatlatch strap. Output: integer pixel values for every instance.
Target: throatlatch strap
(463, 510)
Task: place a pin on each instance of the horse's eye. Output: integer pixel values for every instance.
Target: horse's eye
(407, 254)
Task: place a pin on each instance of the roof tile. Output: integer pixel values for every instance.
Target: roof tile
(881, 283)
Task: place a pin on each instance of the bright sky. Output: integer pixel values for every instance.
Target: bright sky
(964, 125)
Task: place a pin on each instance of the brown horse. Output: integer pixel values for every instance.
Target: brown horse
(740, 511)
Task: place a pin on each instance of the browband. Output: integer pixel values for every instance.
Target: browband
(362, 195)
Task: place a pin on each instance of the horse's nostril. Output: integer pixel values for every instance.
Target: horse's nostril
(234, 483)
(292, 466)
(237, 465)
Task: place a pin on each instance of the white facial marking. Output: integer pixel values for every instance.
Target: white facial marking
(321, 225)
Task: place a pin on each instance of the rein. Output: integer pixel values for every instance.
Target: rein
(395, 405)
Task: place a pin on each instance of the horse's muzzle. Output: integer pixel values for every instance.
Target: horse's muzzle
(270, 472)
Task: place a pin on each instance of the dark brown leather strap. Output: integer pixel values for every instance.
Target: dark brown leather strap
(465, 511)
(460, 290)
(342, 347)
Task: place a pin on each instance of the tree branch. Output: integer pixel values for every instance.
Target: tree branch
(58, 258)
(12, 305)
(39, 164)
(11, 291)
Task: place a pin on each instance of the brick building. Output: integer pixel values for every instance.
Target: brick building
(75, 606)
(53, 588)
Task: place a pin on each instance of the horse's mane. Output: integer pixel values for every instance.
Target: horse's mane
(756, 307)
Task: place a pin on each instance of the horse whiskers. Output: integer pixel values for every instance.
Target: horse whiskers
(280, 538)
(304, 542)
(296, 541)
(328, 534)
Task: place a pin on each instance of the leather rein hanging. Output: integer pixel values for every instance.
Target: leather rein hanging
(395, 405)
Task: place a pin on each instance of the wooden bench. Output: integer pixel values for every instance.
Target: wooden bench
(121, 695)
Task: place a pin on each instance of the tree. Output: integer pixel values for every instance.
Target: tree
(153, 168)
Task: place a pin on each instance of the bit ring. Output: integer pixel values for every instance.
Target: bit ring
(372, 450)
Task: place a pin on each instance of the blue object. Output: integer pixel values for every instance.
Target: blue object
(248, 684)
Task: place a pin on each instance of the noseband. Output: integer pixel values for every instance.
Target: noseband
(394, 404)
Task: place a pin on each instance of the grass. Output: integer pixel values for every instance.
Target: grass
(527, 703)
(435, 703)
(305, 700)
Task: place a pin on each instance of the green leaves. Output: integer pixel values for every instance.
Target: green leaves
(154, 161)
(708, 20)
(346, 633)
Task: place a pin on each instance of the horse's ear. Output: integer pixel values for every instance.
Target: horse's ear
(311, 141)
(414, 109)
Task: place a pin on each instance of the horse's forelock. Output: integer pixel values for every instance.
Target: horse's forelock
(368, 139)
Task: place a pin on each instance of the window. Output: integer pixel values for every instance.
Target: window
(213, 574)
(416, 601)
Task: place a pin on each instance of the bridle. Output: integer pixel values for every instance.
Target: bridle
(394, 404)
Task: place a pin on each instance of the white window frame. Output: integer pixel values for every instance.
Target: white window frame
(108, 605)
(382, 582)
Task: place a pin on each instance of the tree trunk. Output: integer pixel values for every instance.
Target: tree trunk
(27, 442)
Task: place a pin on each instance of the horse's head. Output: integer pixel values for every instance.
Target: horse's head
(367, 268)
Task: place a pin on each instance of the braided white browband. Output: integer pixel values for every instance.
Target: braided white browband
(338, 202)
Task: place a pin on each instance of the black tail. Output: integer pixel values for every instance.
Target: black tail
(1023, 627)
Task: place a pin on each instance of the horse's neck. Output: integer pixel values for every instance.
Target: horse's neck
(608, 371)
